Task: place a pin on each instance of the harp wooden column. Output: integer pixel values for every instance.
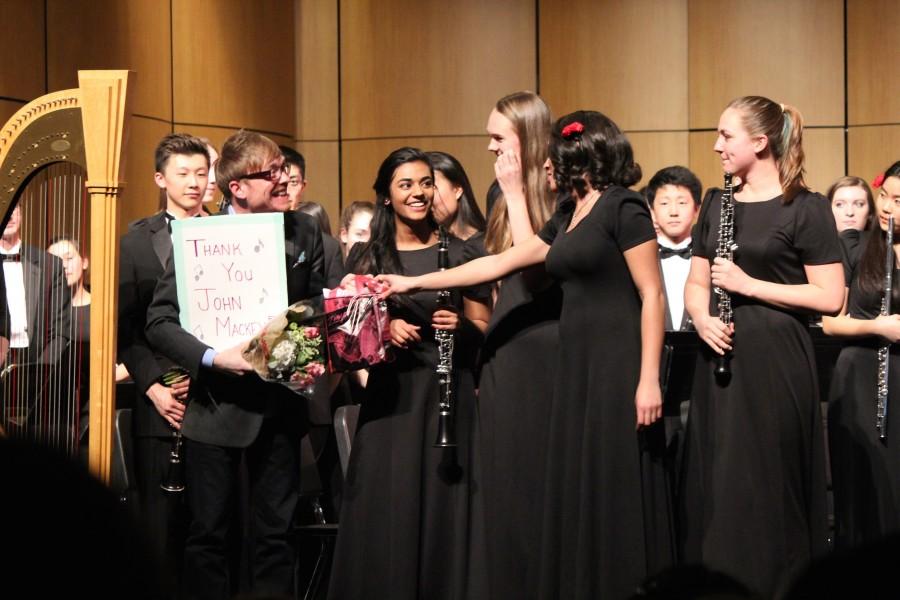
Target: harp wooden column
(85, 126)
(105, 111)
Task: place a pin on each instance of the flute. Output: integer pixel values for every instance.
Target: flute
(884, 352)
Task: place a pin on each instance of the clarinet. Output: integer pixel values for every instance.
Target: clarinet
(725, 249)
(884, 352)
(446, 434)
(174, 481)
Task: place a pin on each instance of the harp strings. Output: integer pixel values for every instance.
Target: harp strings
(43, 393)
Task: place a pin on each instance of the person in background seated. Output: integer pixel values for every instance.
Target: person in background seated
(852, 204)
(674, 197)
(355, 220)
(334, 260)
(296, 176)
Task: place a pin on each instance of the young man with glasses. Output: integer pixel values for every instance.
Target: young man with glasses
(233, 418)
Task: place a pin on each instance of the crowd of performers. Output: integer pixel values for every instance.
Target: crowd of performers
(561, 485)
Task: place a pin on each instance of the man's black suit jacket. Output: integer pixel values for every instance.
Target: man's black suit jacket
(144, 252)
(48, 305)
(228, 410)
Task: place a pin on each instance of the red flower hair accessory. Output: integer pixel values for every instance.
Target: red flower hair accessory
(572, 129)
(878, 181)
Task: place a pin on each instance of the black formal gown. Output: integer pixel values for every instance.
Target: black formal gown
(406, 509)
(607, 517)
(515, 393)
(865, 470)
(753, 488)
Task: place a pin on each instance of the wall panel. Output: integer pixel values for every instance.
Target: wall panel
(316, 69)
(625, 58)
(872, 59)
(7, 109)
(233, 64)
(113, 34)
(873, 149)
(790, 51)
(323, 177)
(431, 68)
(362, 158)
(22, 49)
(824, 157)
(653, 151)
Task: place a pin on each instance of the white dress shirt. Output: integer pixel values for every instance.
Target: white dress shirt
(15, 299)
(675, 273)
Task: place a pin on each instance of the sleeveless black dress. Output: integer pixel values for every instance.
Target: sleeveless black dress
(407, 510)
(753, 501)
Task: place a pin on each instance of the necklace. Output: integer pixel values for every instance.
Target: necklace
(584, 206)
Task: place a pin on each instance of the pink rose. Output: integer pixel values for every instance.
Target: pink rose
(301, 378)
(315, 369)
(311, 332)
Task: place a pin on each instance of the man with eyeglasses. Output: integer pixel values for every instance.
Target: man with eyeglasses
(234, 414)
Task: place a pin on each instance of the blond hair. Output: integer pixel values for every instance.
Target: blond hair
(530, 118)
(782, 124)
(243, 153)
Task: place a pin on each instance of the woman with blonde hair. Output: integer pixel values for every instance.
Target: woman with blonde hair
(518, 356)
(753, 490)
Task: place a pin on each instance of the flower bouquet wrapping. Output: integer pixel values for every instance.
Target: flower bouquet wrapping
(357, 326)
(290, 348)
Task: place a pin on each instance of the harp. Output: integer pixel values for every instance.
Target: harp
(60, 177)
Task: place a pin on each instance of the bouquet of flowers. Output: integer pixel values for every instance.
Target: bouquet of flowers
(357, 326)
(289, 349)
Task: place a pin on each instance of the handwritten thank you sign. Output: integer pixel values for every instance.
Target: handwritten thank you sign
(230, 272)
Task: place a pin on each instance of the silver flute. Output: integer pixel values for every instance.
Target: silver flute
(446, 436)
(884, 352)
(725, 249)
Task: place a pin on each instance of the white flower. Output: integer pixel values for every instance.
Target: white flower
(282, 357)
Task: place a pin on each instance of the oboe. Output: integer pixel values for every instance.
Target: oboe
(725, 249)
(174, 481)
(884, 352)
(446, 434)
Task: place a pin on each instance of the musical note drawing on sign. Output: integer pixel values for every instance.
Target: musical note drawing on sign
(198, 332)
(262, 297)
(259, 245)
(198, 272)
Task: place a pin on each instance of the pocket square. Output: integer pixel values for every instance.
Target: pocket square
(300, 259)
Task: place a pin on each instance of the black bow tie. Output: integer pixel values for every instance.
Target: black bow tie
(684, 253)
(12, 257)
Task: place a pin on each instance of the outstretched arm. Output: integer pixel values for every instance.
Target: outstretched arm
(481, 270)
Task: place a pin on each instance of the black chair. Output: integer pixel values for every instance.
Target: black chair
(121, 477)
(345, 420)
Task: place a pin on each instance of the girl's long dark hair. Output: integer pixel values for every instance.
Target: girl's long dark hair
(468, 215)
(379, 254)
(871, 265)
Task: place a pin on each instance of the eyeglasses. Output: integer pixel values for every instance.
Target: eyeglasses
(273, 174)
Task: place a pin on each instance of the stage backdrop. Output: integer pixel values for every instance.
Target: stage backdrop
(346, 81)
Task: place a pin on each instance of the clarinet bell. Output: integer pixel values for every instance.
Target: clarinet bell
(446, 436)
(174, 481)
(723, 369)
